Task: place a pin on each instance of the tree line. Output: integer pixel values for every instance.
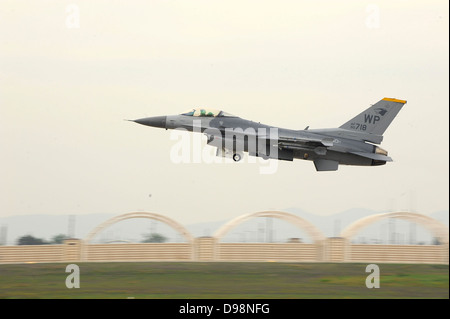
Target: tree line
(59, 239)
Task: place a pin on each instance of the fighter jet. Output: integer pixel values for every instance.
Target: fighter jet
(352, 143)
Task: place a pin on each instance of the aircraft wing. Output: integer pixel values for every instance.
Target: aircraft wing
(294, 141)
(282, 142)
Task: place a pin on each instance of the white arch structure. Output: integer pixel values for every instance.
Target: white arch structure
(435, 227)
(178, 227)
(301, 223)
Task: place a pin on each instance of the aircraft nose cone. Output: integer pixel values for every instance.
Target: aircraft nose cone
(155, 121)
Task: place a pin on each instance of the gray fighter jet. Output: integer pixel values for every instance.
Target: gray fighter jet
(353, 143)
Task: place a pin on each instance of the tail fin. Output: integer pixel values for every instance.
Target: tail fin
(377, 118)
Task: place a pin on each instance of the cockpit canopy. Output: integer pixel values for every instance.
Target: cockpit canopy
(206, 112)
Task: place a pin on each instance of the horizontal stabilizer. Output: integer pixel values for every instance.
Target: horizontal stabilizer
(377, 157)
(351, 135)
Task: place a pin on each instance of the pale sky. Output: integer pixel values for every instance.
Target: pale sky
(72, 71)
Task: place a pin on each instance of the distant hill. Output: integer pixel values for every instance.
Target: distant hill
(332, 225)
(442, 216)
(254, 230)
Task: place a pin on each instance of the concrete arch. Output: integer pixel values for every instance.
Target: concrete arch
(435, 227)
(178, 227)
(301, 223)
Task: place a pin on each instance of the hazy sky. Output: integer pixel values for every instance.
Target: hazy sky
(72, 71)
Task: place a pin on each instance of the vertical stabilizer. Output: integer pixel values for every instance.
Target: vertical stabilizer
(377, 118)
